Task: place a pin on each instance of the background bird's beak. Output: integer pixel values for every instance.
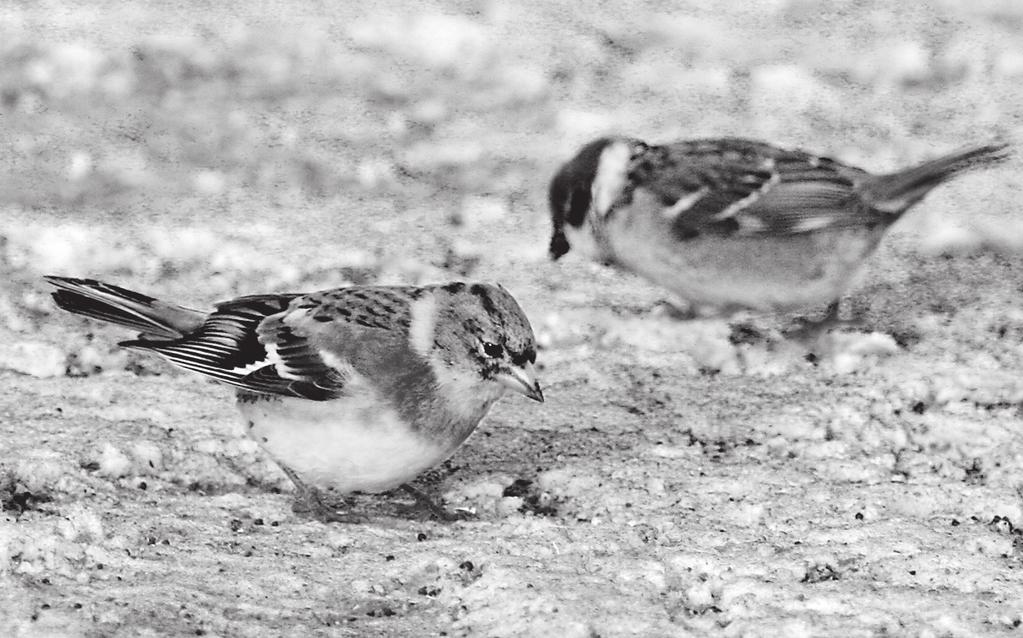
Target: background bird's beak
(559, 245)
(522, 379)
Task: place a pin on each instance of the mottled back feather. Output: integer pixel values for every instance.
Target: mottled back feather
(737, 186)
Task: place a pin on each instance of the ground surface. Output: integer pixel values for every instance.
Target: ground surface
(682, 478)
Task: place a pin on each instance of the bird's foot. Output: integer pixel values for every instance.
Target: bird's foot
(674, 310)
(426, 505)
(811, 331)
(681, 310)
(310, 502)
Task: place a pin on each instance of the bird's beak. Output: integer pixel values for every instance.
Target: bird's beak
(559, 245)
(521, 379)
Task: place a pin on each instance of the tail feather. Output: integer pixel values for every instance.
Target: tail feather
(151, 317)
(895, 192)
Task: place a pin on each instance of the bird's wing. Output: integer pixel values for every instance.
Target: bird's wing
(733, 186)
(286, 344)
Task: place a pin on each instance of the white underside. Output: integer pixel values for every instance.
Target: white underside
(777, 273)
(763, 272)
(347, 445)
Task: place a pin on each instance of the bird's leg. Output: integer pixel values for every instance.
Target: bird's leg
(309, 500)
(676, 309)
(832, 319)
(831, 315)
(682, 310)
(810, 330)
(424, 502)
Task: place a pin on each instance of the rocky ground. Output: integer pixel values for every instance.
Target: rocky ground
(683, 478)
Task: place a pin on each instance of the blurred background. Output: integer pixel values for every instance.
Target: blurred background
(298, 144)
(208, 151)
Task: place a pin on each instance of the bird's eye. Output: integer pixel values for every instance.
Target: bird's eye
(493, 350)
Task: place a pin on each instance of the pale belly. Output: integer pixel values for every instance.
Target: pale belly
(346, 445)
(764, 273)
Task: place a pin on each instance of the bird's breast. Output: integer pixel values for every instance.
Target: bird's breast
(357, 443)
(762, 271)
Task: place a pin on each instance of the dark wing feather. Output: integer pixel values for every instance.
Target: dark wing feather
(733, 186)
(228, 348)
(154, 318)
(277, 344)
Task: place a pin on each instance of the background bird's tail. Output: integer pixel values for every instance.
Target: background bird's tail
(153, 318)
(895, 192)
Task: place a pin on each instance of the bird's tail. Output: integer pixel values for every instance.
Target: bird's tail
(895, 192)
(153, 318)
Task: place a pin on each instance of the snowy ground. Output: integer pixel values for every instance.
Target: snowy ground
(682, 478)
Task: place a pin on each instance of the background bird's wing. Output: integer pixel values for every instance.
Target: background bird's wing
(732, 186)
(281, 344)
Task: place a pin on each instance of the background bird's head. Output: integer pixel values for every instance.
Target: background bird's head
(588, 184)
(481, 341)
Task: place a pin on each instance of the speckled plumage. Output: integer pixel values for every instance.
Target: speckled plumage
(351, 389)
(736, 223)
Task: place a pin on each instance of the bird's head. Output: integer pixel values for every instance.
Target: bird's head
(480, 341)
(588, 184)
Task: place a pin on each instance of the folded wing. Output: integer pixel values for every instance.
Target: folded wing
(733, 186)
(256, 343)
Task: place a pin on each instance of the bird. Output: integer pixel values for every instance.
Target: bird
(732, 224)
(350, 390)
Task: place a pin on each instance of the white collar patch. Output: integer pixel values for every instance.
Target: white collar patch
(423, 324)
(612, 173)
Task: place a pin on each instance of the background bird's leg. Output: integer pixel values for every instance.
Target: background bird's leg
(677, 308)
(309, 500)
(833, 313)
(424, 502)
(833, 319)
(811, 330)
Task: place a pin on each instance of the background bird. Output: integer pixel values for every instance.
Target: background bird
(353, 389)
(737, 224)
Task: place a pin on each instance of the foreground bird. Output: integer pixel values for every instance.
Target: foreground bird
(736, 224)
(354, 389)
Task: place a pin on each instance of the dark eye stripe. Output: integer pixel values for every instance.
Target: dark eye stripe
(529, 356)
